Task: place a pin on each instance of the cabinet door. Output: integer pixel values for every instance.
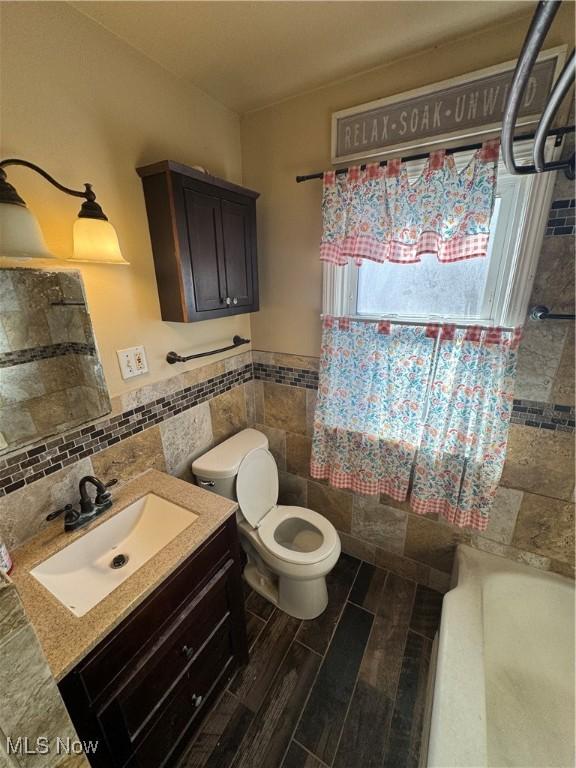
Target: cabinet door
(204, 227)
(238, 240)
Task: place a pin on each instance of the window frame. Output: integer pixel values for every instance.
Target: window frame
(524, 207)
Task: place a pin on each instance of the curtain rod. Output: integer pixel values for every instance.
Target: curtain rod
(419, 323)
(558, 132)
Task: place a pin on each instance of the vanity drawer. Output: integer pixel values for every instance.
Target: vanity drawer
(154, 678)
(142, 629)
(187, 703)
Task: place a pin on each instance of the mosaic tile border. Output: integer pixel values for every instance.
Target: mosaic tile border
(561, 219)
(20, 356)
(42, 460)
(532, 413)
(281, 374)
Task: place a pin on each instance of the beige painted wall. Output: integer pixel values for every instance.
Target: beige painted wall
(87, 107)
(293, 137)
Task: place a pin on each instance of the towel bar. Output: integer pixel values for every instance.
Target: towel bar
(541, 312)
(174, 357)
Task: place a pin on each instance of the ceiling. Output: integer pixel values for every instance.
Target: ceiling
(248, 54)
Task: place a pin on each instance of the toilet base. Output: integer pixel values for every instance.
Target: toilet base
(300, 599)
(261, 584)
(283, 585)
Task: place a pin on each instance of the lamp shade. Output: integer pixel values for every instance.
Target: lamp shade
(20, 234)
(96, 241)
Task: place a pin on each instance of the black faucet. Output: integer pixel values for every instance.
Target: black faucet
(89, 509)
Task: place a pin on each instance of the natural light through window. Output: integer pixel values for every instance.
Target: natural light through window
(457, 289)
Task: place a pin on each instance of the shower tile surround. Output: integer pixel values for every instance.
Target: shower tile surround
(169, 423)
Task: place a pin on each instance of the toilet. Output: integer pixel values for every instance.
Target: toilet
(290, 550)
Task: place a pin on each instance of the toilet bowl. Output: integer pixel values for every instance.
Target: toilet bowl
(290, 550)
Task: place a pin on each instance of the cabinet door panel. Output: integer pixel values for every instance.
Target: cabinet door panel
(206, 251)
(236, 233)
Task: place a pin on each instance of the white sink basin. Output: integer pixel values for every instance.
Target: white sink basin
(81, 574)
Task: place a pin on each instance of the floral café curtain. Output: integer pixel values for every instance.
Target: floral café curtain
(415, 412)
(376, 213)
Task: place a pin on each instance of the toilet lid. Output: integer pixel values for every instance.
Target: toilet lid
(257, 485)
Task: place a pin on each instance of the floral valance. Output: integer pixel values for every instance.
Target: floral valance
(376, 213)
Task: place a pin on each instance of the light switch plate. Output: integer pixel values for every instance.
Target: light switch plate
(132, 361)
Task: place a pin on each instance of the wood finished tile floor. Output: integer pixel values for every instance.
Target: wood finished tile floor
(345, 690)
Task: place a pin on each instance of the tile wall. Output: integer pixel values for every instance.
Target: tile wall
(30, 704)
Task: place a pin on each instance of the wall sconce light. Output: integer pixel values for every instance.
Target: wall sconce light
(95, 239)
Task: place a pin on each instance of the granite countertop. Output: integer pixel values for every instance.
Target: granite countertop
(66, 638)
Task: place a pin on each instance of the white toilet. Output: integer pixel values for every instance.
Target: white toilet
(290, 550)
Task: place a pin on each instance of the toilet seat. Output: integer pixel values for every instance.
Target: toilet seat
(278, 515)
(257, 494)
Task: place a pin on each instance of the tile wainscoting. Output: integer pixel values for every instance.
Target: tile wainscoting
(30, 705)
(168, 424)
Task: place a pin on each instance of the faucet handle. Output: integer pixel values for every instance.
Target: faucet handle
(70, 516)
(102, 497)
(58, 512)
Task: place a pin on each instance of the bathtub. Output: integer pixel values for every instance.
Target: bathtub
(501, 688)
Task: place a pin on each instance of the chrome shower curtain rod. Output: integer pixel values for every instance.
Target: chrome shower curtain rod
(539, 26)
(558, 132)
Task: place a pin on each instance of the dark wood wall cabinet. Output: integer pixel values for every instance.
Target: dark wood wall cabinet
(142, 692)
(203, 232)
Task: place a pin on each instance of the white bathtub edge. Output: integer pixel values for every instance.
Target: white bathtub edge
(458, 726)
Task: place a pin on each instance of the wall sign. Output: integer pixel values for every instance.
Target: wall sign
(462, 107)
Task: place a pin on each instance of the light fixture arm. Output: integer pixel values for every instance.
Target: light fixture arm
(90, 209)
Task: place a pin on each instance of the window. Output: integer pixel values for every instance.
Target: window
(492, 290)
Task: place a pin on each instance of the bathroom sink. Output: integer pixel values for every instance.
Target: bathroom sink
(86, 571)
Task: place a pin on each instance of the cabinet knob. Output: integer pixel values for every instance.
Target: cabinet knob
(197, 700)
(234, 300)
(187, 651)
(228, 300)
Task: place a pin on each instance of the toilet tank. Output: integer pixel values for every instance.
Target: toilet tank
(216, 470)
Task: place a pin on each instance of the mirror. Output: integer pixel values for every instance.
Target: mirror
(51, 378)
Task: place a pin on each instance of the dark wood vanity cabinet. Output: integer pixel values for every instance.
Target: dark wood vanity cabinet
(203, 232)
(142, 692)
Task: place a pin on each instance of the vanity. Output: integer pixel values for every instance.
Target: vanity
(139, 668)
